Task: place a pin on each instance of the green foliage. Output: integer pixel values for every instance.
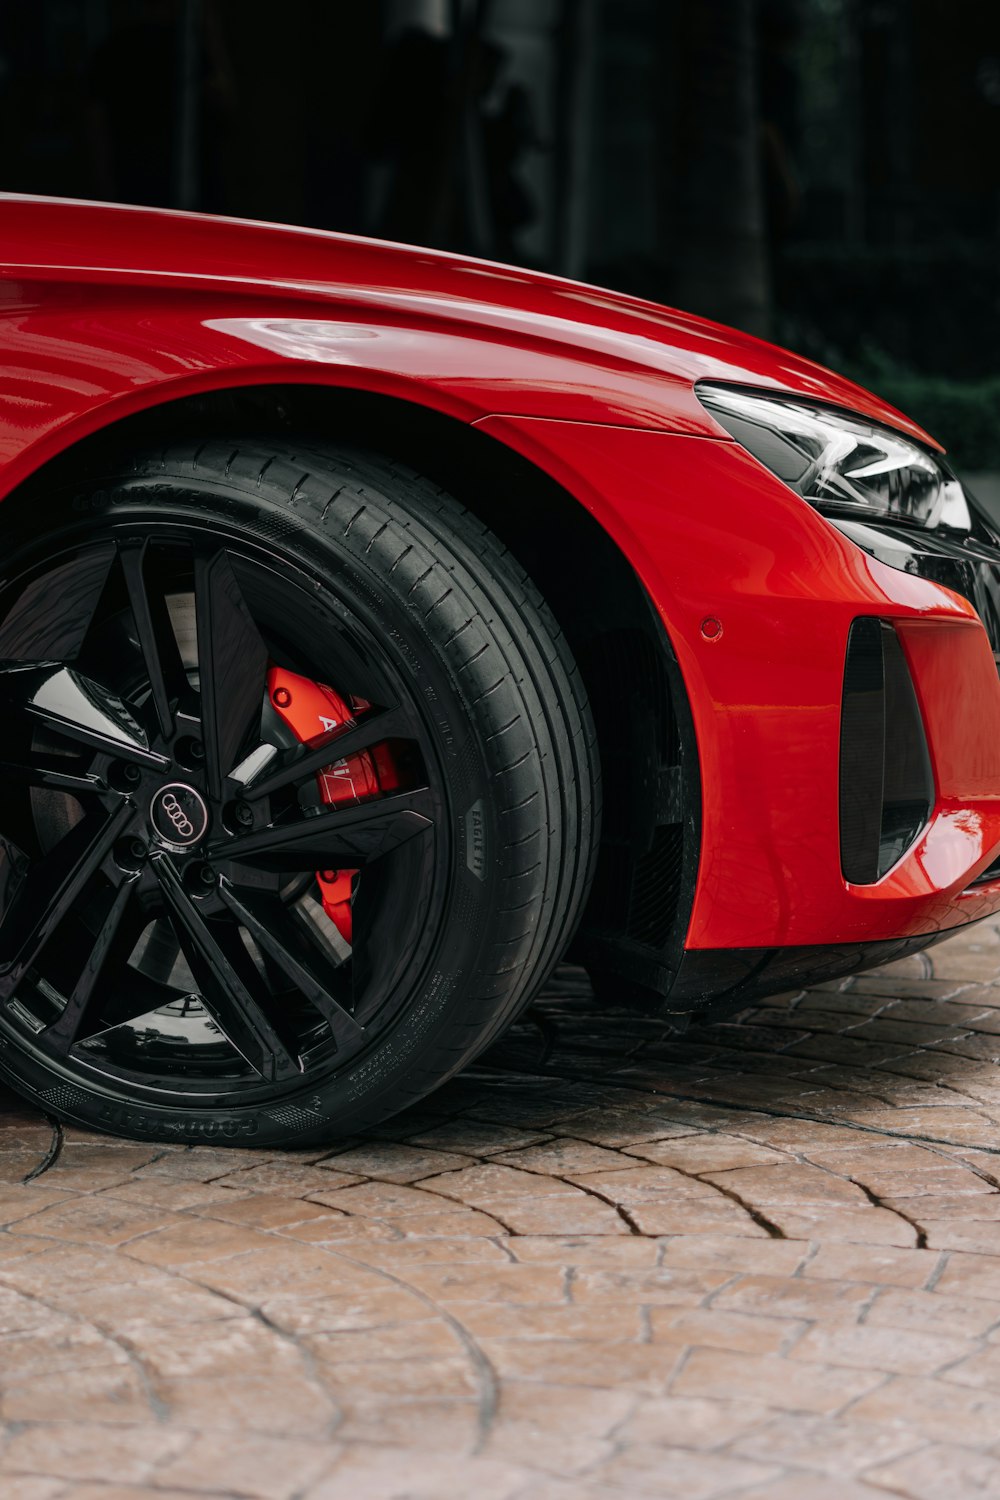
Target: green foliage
(935, 308)
(962, 415)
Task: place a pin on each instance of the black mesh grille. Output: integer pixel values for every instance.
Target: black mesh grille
(886, 786)
(862, 753)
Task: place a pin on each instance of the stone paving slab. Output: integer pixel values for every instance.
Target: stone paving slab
(759, 1260)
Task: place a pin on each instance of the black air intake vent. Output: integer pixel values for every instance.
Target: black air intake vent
(886, 785)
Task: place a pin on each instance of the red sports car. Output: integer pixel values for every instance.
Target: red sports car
(377, 626)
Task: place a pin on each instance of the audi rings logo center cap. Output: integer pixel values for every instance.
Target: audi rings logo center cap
(178, 815)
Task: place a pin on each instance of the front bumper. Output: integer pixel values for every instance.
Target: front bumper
(941, 595)
(960, 828)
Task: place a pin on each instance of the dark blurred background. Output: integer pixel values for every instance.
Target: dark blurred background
(824, 172)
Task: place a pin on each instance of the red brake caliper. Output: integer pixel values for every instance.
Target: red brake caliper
(311, 709)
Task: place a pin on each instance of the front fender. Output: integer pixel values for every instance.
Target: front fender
(714, 537)
(80, 355)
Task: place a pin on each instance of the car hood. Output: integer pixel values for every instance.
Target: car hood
(52, 238)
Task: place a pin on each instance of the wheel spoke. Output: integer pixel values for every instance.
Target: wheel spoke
(346, 837)
(156, 635)
(362, 952)
(37, 899)
(232, 666)
(65, 702)
(278, 934)
(50, 772)
(371, 729)
(64, 1032)
(357, 669)
(224, 991)
(52, 617)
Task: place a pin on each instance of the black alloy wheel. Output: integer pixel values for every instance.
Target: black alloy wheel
(171, 965)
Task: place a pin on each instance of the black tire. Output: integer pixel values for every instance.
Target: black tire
(471, 875)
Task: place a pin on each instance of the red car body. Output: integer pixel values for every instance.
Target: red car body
(106, 312)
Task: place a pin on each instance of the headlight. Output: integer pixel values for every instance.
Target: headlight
(842, 464)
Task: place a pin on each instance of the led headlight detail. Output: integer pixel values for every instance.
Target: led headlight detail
(842, 464)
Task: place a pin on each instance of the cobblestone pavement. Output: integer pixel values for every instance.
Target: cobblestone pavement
(763, 1261)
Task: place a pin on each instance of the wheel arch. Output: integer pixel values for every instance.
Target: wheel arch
(634, 928)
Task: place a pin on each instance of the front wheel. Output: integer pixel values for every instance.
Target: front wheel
(299, 801)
